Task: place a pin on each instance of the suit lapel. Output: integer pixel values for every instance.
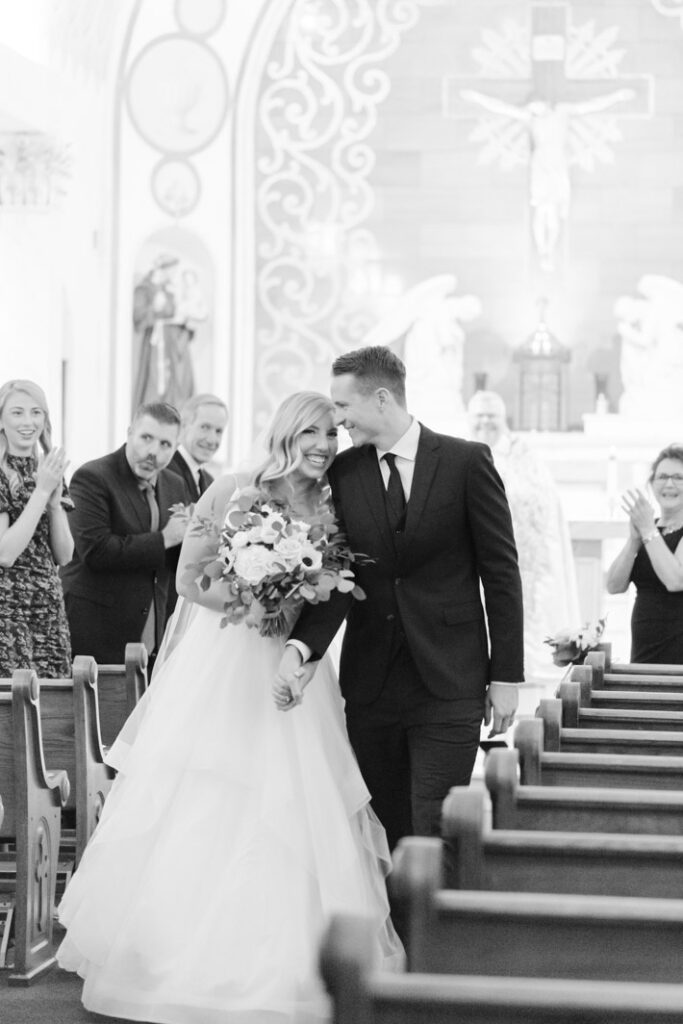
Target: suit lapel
(187, 475)
(426, 461)
(131, 492)
(205, 480)
(373, 487)
(164, 498)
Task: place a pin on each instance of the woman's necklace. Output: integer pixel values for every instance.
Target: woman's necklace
(669, 527)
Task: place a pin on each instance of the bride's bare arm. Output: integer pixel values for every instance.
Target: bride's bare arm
(201, 541)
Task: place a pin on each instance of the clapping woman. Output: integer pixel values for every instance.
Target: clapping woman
(652, 559)
(34, 536)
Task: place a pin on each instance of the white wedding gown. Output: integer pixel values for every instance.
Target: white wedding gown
(231, 834)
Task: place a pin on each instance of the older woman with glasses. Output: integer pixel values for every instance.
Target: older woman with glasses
(652, 559)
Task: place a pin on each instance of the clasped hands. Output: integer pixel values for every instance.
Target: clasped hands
(291, 679)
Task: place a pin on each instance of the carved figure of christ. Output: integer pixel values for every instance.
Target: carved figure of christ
(546, 101)
(549, 181)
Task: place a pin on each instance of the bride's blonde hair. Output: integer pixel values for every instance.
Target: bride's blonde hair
(37, 395)
(294, 415)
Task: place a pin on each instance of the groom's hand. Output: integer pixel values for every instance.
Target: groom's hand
(501, 704)
(291, 679)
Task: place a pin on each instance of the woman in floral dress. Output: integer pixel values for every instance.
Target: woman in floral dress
(34, 536)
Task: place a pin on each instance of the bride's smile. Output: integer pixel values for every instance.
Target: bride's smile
(317, 447)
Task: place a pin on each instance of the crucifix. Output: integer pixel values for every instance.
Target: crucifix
(545, 104)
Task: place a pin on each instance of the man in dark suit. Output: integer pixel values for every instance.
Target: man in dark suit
(422, 663)
(126, 539)
(203, 420)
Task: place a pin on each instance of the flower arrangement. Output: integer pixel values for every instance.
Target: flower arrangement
(571, 646)
(271, 562)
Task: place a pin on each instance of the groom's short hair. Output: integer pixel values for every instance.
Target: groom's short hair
(374, 366)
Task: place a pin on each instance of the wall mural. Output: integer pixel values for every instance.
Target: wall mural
(317, 265)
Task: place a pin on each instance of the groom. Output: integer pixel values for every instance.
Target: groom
(417, 671)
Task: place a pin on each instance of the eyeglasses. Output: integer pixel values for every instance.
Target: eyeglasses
(661, 478)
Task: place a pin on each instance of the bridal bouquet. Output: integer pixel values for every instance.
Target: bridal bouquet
(571, 647)
(271, 562)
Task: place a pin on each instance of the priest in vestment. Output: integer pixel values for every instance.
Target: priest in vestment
(546, 560)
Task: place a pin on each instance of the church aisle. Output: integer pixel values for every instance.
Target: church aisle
(56, 999)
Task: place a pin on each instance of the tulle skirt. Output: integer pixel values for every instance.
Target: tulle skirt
(232, 833)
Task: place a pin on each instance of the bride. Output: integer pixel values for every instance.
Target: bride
(232, 831)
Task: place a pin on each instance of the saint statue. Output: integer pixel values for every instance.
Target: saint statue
(426, 325)
(168, 304)
(650, 327)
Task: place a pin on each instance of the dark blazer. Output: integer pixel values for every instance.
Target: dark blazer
(119, 566)
(179, 466)
(426, 581)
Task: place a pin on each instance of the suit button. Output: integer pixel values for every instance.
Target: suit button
(390, 618)
(397, 581)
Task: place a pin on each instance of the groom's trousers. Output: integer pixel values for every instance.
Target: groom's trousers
(412, 747)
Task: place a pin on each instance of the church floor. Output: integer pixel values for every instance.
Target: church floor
(55, 999)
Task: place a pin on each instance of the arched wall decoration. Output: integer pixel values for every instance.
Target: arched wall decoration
(317, 106)
(669, 8)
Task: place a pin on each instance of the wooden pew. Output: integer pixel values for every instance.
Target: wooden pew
(659, 699)
(544, 768)
(33, 798)
(634, 667)
(648, 742)
(363, 995)
(533, 935)
(631, 680)
(579, 711)
(71, 741)
(507, 860)
(576, 809)
(120, 687)
(633, 676)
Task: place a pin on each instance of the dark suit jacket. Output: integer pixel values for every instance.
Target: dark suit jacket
(426, 581)
(179, 465)
(119, 566)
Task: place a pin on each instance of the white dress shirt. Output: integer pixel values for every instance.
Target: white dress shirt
(405, 450)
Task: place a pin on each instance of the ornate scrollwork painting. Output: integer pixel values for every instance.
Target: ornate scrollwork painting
(321, 91)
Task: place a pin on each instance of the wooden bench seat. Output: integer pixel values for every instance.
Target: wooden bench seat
(33, 798)
(660, 699)
(71, 741)
(579, 808)
(534, 935)
(362, 995)
(604, 652)
(580, 712)
(539, 767)
(518, 860)
(647, 742)
(120, 687)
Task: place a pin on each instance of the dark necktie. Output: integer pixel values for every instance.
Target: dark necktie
(149, 638)
(205, 479)
(395, 495)
(147, 489)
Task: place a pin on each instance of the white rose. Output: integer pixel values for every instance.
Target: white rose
(290, 550)
(240, 540)
(253, 564)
